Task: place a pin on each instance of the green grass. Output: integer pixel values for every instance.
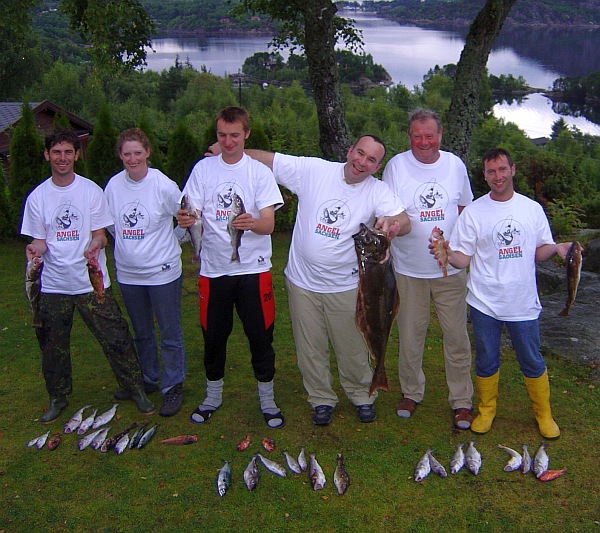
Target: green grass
(174, 488)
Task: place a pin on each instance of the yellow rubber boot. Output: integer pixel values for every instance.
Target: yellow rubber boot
(539, 394)
(487, 390)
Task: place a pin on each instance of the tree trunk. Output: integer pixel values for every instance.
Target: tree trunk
(319, 46)
(464, 104)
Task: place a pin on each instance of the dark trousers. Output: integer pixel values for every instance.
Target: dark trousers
(106, 323)
(252, 297)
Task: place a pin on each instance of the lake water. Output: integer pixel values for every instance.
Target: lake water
(408, 52)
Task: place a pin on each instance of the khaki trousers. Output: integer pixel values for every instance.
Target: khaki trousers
(317, 319)
(448, 296)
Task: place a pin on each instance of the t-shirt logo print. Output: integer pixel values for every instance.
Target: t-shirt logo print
(67, 221)
(508, 238)
(135, 220)
(431, 201)
(333, 217)
(223, 199)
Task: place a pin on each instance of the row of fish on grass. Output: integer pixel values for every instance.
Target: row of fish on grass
(471, 458)
(316, 475)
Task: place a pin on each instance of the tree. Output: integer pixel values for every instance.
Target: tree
(183, 151)
(102, 161)
(464, 104)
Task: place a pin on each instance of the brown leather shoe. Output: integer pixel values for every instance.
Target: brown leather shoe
(463, 418)
(406, 408)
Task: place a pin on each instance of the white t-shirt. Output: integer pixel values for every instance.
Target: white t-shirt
(431, 194)
(211, 186)
(501, 238)
(146, 250)
(322, 256)
(65, 217)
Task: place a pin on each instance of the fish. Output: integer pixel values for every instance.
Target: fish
(251, 474)
(549, 475)
(96, 278)
(292, 463)
(436, 466)
(423, 468)
(526, 460)
(237, 209)
(75, 420)
(87, 440)
(99, 439)
(540, 461)
(33, 288)
(377, 300)
(473, 458)
(272, 466)
(574, 261)
(146, 437)
(122, 444)
(38, 442)
(458, 460)
(195, 230)
(302, 462)
(244, 443)
(515, 462)
(54, 441)
(440, 245)
(87, 423)
(111, 442)
(315, 473)
(224, 479)
(340, 476)
(105, 417)
(180, 439)
(135, 439)
(268, 444)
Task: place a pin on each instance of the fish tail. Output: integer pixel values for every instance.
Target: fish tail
(564, 312)
(379, 381)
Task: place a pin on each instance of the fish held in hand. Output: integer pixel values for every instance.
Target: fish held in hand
(473, 458)
(315, 473)
(96, 278)
(574, 261)
(195, 230)
(33, 288)
(515, 461)
(180, 440)
(244, 443)
(541, 461)
(458, 460)
(423, 468)
(377, 301)
(340, 476)
(441, 248)
(75, 420)
(235, 235)
(251, 474)
(224, 479)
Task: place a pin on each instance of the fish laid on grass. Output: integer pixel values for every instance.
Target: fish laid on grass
(302, 462)
(292, 464)
(526, 460)
(439, 242)
(541, 461)
(105, 417)
(436, 466)
(224, 479)
(272, 466)
(251, 474)
(54, 441)
(516, 460)
(87, 423)
(340, 476)
(75, 420)
(87, 440)
(268, 444)
(99, 439)
(549, 475)
(195, 230)
(237, 209)
(33, 288)
(96, 277)
(377, 300)
(473, 458)
(423, 467)
(111, 442)
(244, 443)
(38, 442)
(122, 444)
(135, 438)
(146, 437)
(574, 261)
(458, 460)
(315, 473)
(180, 440)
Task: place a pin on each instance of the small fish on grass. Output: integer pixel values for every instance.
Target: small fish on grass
(473, 458)
(423, 467)
(105, 417)
(87, 423)
(315, 473)
(574, 262)
(516, 460)
(180, 440)
(340, 476)
(99, 439)
(122, 444)
(251, 474)
(441, 247)
(292, 464)
(224, 479)
(272, 466)
(527, 462)
(54, 441)
(268, 444)
(541, 461)
(146, 437)
(550, 475)
(235, 235)
(75, 421)
(244, 443)
(111, 442)
(195, 230)
(436, 466)
(96, 278)
(38, 442)
(458, 460)
(87, 440)
(302, 462)
(135, 438)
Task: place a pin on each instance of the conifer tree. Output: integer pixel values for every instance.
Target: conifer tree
(183, 153)
(101, 160)
(156, 158)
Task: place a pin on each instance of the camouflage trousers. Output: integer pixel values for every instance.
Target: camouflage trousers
(106, 323)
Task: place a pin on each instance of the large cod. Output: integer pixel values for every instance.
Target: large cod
(377, 301)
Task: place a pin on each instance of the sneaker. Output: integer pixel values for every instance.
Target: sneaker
(124, 394)
(366, 413)
(172, 401)
(322, 415)
(463, 418)
(406, 408)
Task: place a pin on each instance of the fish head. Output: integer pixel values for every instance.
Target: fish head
(237, 205)
(370, 244)
(437, 234)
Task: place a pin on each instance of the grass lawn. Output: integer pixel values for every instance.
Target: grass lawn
(173, 488)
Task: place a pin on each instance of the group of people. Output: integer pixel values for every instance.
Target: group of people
(499, 237)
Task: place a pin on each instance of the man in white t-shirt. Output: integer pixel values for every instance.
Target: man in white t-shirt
(322, 270)
(66, 217)
(435, 187)
(500, 237)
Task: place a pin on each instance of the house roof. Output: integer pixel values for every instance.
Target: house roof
(10, 114)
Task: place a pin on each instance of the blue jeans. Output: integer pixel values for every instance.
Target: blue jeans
(525, 337)
(143, 303)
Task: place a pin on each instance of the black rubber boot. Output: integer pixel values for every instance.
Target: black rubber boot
(54, 409)
(144, 405)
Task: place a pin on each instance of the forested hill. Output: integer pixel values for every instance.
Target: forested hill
(462, 12)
